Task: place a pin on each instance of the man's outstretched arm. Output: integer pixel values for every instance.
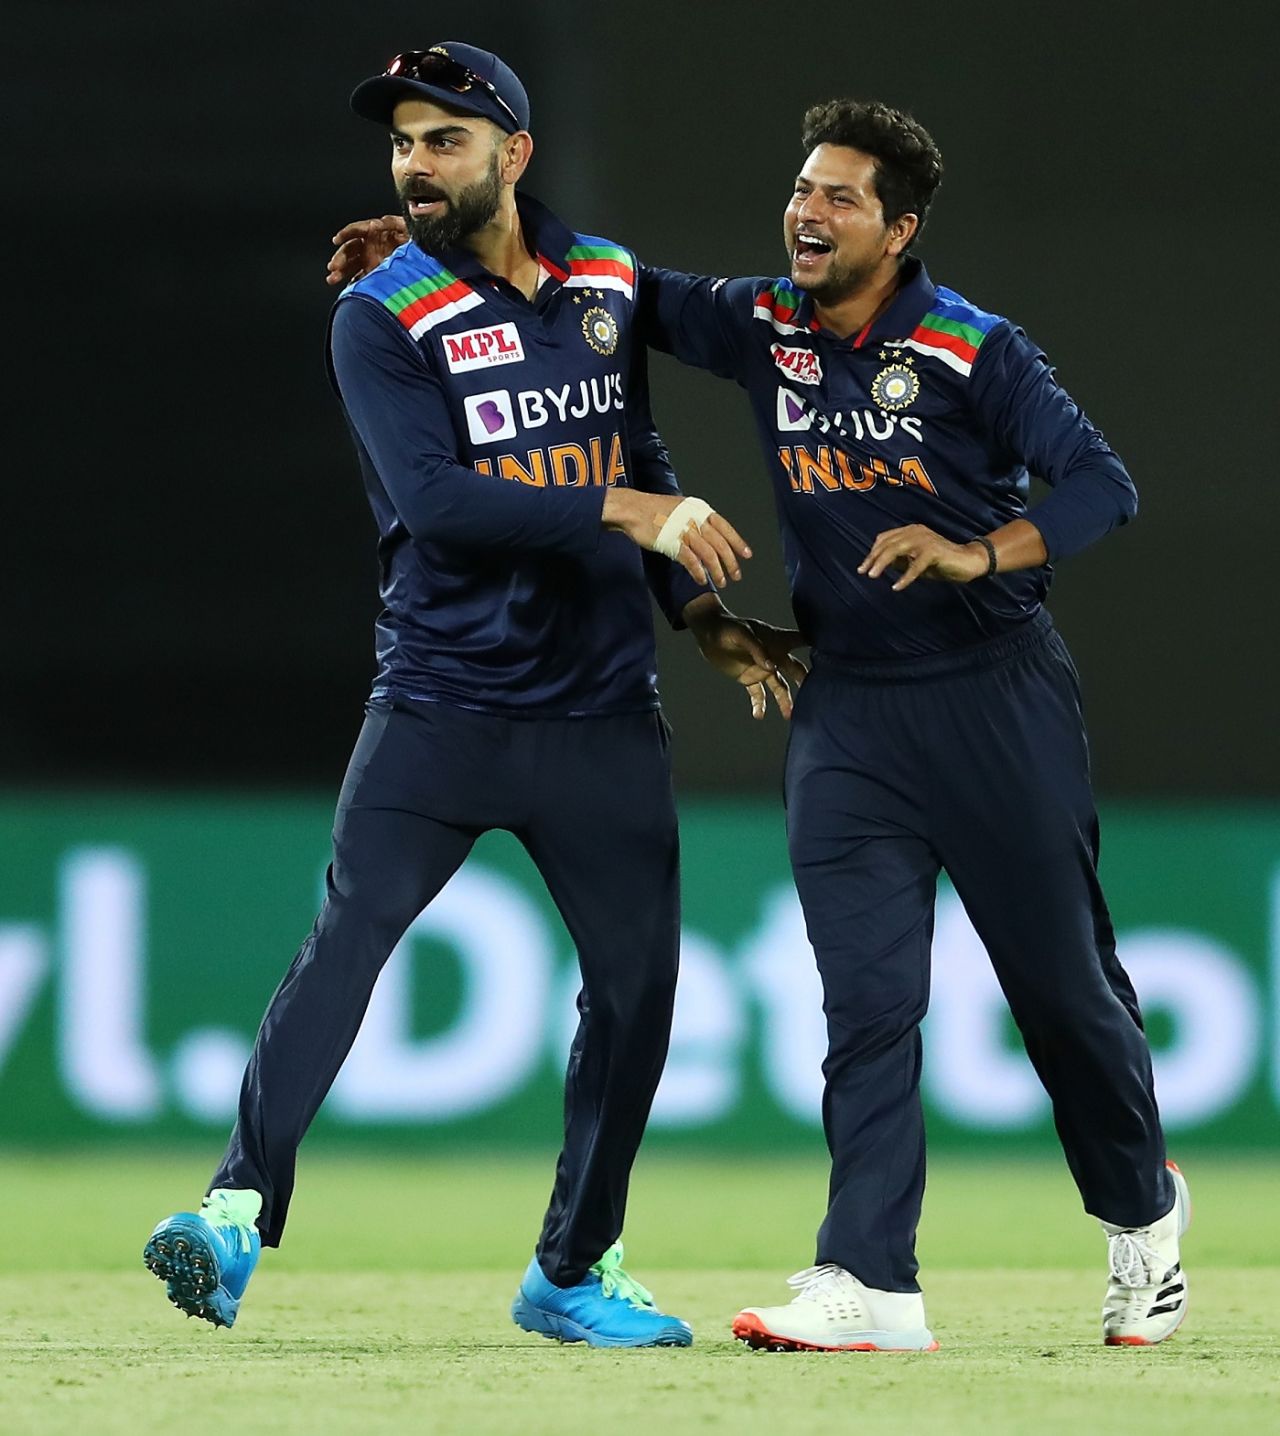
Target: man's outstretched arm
(698, 319)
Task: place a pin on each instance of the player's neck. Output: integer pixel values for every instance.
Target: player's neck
(852, 314)
(501, 248)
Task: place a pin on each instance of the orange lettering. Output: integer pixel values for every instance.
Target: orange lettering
(617, 469)
(536, 474)
(562, 455)
(862, 479)
(912, 470)
(799, 484)
(821, 466)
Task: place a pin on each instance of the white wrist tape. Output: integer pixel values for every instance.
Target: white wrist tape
(671, 534)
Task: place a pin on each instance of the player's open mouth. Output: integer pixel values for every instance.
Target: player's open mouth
(419, 207)
(809, 250)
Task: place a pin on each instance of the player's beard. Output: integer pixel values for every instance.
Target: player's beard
(471, 209)
(840, 282)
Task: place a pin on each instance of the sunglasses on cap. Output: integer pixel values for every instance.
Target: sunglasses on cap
(432, 67)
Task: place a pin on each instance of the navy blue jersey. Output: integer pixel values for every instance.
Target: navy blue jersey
(934, 414)
(489, 429)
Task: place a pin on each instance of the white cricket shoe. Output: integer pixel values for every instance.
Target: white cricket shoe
(833, 1311)
(1147, 1288)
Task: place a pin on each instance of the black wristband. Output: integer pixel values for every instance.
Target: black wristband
(991, 554)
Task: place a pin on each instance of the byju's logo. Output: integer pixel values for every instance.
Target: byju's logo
(479, 348)
(489, 417)
(793, 413)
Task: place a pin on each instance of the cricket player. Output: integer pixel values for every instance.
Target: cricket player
(940, 727)
(497, 398)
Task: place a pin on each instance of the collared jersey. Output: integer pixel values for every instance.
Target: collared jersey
(488, 429)
(935, 414)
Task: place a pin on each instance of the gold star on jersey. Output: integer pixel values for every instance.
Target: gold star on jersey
(600, 330)
(895, 387)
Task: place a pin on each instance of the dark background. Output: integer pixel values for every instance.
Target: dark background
(188, 571)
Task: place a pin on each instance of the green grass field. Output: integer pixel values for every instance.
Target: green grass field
(386, 1310)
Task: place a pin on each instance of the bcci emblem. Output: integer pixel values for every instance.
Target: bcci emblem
(895, 387)
(600, 330)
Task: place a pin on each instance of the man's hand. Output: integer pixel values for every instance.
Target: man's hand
(363, 245)
(709, 551)
(918, 552)
(756, 654)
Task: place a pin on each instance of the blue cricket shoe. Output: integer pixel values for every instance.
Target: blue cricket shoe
(206, 1259)
(606, 1308)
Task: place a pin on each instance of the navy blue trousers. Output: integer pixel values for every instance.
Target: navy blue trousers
(975, 763)
(591, 801)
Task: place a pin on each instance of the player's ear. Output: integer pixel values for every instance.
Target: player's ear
(514, 154)
(901, 233)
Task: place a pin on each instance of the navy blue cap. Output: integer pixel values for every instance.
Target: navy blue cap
(376, 98)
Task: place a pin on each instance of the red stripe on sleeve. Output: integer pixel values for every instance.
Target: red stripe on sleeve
(937, 339)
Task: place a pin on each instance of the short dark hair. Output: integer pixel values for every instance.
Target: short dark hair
(908, 165)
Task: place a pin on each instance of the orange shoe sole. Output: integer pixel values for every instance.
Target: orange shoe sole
(753, 1332)
(1142, 1340)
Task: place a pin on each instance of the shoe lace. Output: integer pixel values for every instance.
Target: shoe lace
(814, 1282)
(1133, 1262)
(616, 1282)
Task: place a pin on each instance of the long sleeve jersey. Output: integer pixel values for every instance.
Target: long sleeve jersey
(935, 414)
(488, 429)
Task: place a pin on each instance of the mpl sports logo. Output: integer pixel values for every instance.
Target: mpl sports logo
(797, 363)
(481, 348)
